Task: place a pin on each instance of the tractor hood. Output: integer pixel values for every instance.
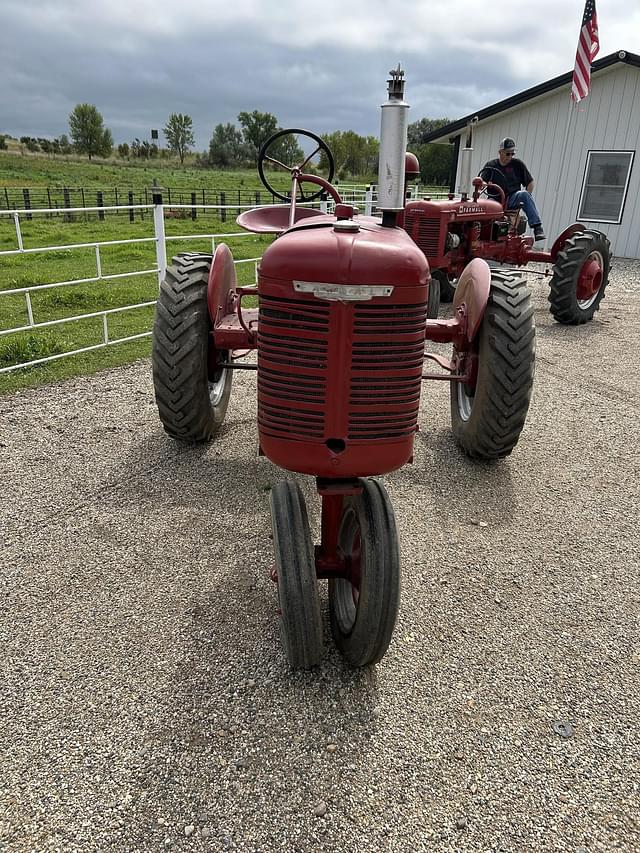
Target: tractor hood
(359, 251)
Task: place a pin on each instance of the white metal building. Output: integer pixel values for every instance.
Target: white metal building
(596, 177)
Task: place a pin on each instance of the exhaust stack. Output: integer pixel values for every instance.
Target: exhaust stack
(393, 145)
(465, 161)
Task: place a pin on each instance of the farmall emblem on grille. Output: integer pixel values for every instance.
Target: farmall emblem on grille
(471, 208)
(343, 292)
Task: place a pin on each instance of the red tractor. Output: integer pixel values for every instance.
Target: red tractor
(340, 331)
(456, 230)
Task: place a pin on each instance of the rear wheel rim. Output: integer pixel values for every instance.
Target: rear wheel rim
(590, 280)
(465, 401)
(217, 380)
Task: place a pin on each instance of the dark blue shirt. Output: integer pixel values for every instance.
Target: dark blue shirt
(510, 177)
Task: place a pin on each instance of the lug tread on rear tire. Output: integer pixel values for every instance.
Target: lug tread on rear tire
(180, 353)
(505, 373)
(562, 297)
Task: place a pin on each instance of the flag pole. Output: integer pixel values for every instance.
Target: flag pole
(588, 47)
(563, 158)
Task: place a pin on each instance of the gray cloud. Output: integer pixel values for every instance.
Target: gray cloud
(321, 67)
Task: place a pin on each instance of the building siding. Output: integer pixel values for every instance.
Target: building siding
(608, 119)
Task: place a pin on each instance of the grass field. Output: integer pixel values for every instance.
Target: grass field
(32, 171)
(64, 264)
(25, 270)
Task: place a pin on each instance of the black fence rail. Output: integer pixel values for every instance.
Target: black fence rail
(60, 199)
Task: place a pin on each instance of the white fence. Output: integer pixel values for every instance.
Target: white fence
(159, 238)
(364, 199)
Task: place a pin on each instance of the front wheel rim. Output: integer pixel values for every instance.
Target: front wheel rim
(347, 590)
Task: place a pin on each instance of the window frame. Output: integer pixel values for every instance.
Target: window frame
(626, 185)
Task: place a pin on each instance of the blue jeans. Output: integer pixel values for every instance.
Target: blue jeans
(524, 198)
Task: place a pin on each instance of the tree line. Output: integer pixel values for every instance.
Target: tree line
(233, 146)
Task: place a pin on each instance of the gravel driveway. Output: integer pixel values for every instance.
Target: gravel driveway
(145, 703)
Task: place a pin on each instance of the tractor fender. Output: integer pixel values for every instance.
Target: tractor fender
(472, 292)
(576, 228)
(222, 283)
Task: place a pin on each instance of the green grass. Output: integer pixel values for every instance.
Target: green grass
(26, 270)
(41, 171)
(64, 264)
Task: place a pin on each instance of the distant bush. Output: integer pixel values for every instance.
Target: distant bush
(30, 143)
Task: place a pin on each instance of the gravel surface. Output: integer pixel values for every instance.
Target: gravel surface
(145, 702)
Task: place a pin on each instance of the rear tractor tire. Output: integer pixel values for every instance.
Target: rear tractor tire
(192, 391)
(580, 276)
(447, 285)
(433, 305)
(488, 417)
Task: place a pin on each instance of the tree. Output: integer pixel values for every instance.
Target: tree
(353, 154)
(417, 131)
(3, 142)
(107, 143)
(287, 150)
(64, 144)
(179, 134)
(257, 127)
(226, 147)
(123, 150)
(436, 163)
(88, 132)
(30, 142)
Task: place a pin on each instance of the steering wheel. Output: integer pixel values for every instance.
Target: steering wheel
(488, 185)
(297, 172)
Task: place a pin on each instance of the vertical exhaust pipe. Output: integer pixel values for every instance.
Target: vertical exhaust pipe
(393, 146)
(465, 161)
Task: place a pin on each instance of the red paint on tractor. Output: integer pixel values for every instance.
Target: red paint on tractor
(339, 379)
(222, 283)
(472, 292)
(590, 279)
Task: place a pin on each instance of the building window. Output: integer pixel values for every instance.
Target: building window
(605, 186)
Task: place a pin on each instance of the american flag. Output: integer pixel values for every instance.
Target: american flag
(588, 47)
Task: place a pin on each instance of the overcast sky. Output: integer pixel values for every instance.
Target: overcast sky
(317, 65)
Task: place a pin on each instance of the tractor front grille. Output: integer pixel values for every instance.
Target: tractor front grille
(292, 367)
(425, 232)
(386, 377)
(360, 383)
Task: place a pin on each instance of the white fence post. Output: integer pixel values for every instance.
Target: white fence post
(368, 201)
(161, 244)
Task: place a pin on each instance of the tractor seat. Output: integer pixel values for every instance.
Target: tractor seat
(273, 219)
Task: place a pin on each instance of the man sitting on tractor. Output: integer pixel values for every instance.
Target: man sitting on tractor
(510, 174)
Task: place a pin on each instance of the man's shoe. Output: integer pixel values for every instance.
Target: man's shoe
(538, 233)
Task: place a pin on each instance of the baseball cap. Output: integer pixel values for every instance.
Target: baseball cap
(507, 144)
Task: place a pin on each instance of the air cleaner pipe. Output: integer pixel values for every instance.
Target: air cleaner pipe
(393, 146)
